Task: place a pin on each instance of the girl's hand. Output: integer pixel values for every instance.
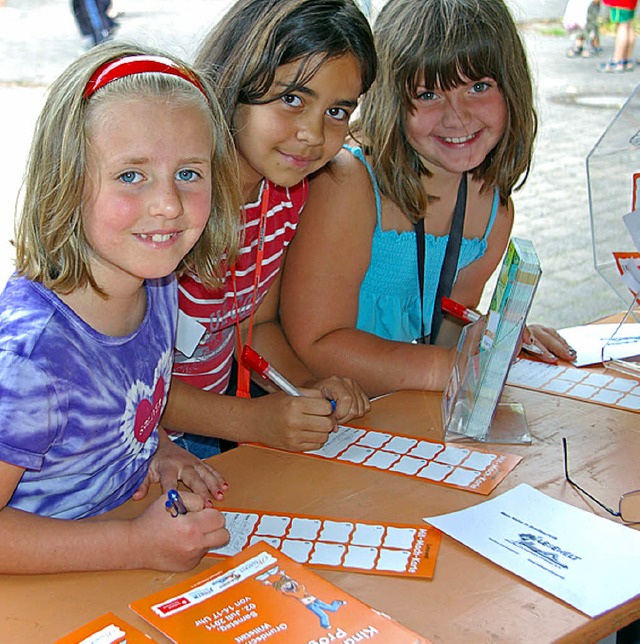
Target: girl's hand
(162, 542)
(550, 342)
(293, 423)
(171, 464)
(351, 401)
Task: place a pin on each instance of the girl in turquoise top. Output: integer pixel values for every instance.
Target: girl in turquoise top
(453, 97)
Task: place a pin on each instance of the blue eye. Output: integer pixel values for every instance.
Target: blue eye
(187, 175)
(130, 177)
(427, 95)
(480, 86)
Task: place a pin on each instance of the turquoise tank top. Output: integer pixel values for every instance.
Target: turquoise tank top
(389, 300)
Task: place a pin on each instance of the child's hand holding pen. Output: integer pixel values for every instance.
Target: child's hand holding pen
(347, 399)
(174, 532)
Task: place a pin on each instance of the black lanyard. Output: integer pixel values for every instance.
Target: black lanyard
(449, 264)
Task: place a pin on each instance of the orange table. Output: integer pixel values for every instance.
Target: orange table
(470, 599)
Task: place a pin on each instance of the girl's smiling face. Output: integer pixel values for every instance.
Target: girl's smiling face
(148, 190)
(289, 137)
(456, 129)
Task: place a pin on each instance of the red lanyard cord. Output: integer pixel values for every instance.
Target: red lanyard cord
(244, 374)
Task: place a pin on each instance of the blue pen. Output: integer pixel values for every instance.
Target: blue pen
(174, 504)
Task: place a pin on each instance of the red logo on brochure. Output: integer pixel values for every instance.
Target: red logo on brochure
(148, 413)
(174, 604)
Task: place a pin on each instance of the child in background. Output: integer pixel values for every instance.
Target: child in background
(118, 194)
(450, 119)
(288, 74)
(621, 13)
(586, 41)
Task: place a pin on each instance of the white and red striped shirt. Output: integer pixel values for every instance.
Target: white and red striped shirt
(209, 366)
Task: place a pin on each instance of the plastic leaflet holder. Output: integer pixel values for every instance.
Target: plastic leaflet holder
(629, 366)
(471, 407)
(613, 181)
(615, 352)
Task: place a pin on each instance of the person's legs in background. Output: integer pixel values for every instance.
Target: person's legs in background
(92, 20)
(622, 59)
(592, 29)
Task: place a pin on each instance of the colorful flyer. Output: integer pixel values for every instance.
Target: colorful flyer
(332, 544)
(261, 595)
(106, 629)
(461, 467)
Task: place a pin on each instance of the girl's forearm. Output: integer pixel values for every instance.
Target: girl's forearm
(380, 366)
(33, 544)
(207, 413)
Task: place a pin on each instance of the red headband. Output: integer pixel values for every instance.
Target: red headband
(130, 65)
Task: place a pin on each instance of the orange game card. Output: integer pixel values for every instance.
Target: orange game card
(448, 464)
(106, 629)
(260, 595)
(333, 544)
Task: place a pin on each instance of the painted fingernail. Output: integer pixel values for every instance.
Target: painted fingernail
(532, 348)
(225, 485)
(208, 503)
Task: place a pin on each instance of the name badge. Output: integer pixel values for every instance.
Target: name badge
(188, 335)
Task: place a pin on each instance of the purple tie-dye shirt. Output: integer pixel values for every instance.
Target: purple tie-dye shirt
(80, 410)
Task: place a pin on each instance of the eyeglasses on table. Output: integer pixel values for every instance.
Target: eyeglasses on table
(628, 504)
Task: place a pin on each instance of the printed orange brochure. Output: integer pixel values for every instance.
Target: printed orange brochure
(337, 544)
(106, 629)
(260, 595)
(452, 465)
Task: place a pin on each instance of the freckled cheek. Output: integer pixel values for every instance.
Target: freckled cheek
(497, 112)
(200, 207)
(110, 213)
(418, 126)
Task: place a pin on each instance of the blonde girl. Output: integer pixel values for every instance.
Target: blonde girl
(131, 176)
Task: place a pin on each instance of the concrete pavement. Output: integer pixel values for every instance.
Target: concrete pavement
(38, 39)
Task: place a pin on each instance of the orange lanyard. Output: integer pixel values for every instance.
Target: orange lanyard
(244, 374)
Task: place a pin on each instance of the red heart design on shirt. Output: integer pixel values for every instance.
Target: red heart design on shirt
(148, 413)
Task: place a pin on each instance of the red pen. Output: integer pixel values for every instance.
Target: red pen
(257, 363)
(253, 360)
(459, 311)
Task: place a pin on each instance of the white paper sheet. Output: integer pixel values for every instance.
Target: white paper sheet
(589, 562)
(589, 339)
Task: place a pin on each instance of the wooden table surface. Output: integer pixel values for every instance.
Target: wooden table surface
(469, 600)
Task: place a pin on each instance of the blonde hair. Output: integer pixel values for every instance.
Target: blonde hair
(51, 246)
(441, 44)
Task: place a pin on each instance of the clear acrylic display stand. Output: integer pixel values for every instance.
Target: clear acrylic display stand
(470, 404)
(626, 366)
(611, 166)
